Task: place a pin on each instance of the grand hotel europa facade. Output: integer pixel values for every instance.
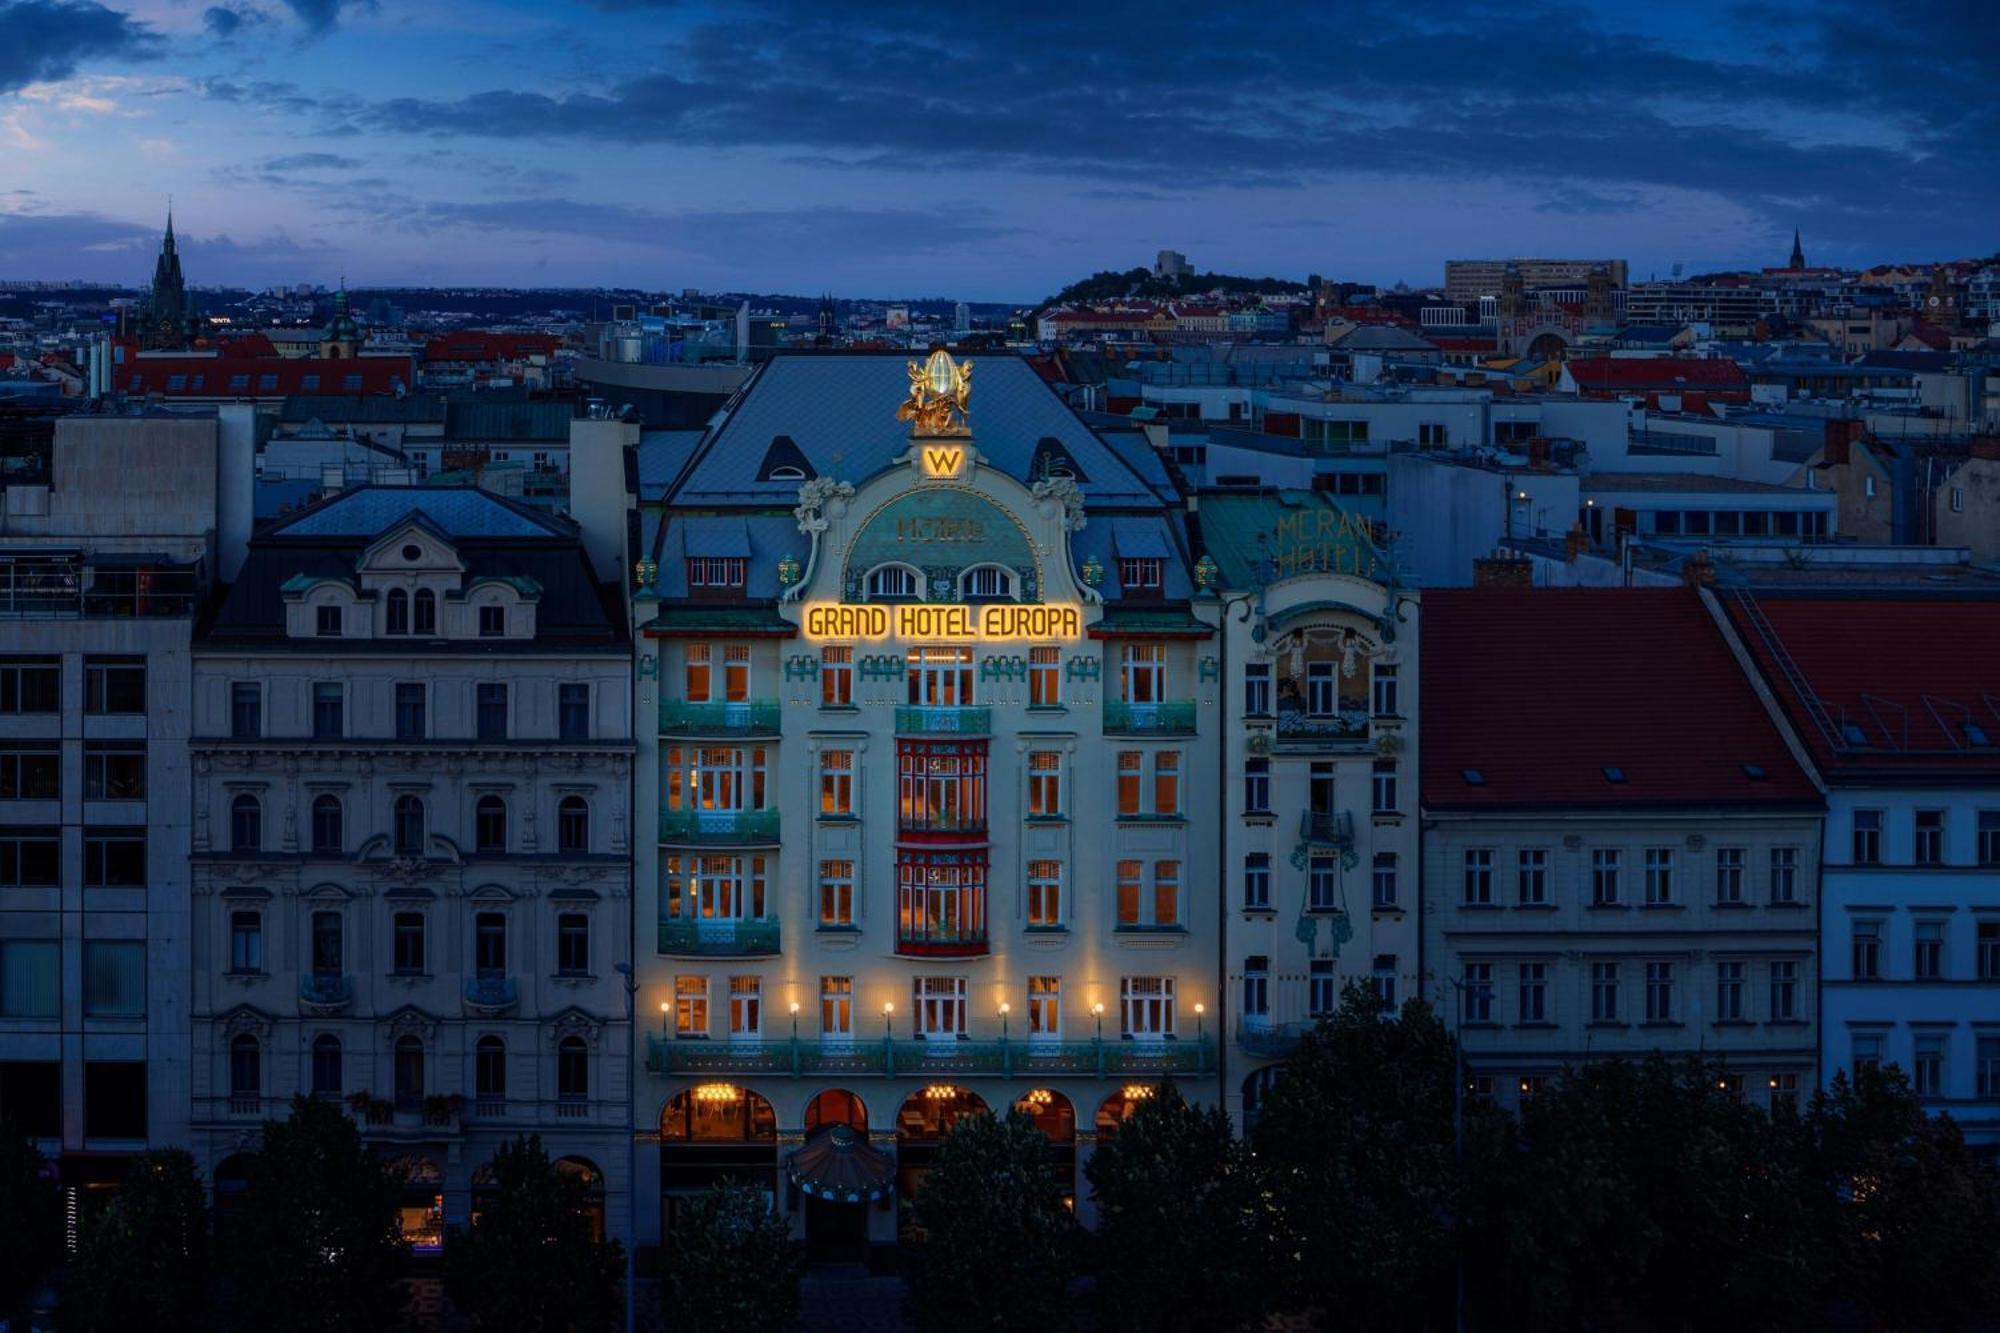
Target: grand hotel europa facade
(982, 782)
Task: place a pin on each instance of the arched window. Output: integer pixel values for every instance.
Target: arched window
(399, 612)
(246, 824)
(573, 1070)
(887, 582)
(573, 825)
(409, 1072)
(489, 825)
(246, 1067)
(489, 1069)
(326, 831)
(326, 1072)
(409, 832)
(427, 612)
(988, 583)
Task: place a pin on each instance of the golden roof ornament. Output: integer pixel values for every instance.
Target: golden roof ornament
(940, 389)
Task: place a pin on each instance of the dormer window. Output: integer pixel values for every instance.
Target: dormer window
(328, 622)
(492, 622)
(427, 611)
(715, 571)
(890, 582)
(787, 474)
(398, 612)
(986, 583)
(1141, 576)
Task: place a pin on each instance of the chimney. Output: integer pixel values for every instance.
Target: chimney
(1503, 569)
(1575, 543)
(597, 496)
(1839, 441)
(235, 486)
(1698, 571)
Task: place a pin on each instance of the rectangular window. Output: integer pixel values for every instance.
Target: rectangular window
(114, 857)
(1384, 879)
(690, 1007)
(114, 684)
(1131, 770)
(1867, 837)
(1476, 993)
(1257, 689)
(1784, 874)
(327, 622)
(491, 699)
(1323, 993)
(1257, 989)
(1988, 945)
(1989, 1066)
(836, 782)
(408, 944)
(1166, 893)
(1866, 937)
(1659, 876)
(329, 710)
(1867, 1050)
(1383, 786)
(114, 978)
(1604, 992)
(1604, 867)
(717, 571)
(1257, 881)
(1140, 577)
(836, 1008)
(410, 711)
(698, 676)
(1534, 992)
(836, 675)
(939, 677)
(489, 944)
(1045, 894)
(1729, 876)
(1045, 796)
(939, 1009)
(492, 622)
(1044, 677)
(114, 770)
(746, 1008)
(1531, 880)
(1989, 838)
(1659, 992)
(1322, 689)
(573, 944)
(573, 711)
(114, 1099)
(1729, 991)
(1478, 877)
(31, 685)
(30, 857)
(1927, 1064)
(1784, 991)
(1385, 695)
(1142, 673)
(246, 943)
(1927, 952)
(1784, 1091)
(30, 979)
(1256, 786)
(30, 772)
(1146, 1007)
(1927, 828)
(1044, 1008)
(246, 710)
(1166, 782)
(715, 888)
(836, 894)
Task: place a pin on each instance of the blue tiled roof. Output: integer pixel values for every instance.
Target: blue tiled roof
(662, 455)
(458, 511)
(841, 410)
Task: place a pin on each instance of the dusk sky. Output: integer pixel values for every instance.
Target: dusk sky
(989, 152)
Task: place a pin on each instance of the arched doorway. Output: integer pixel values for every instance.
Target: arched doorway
(1119, 1106)
(922, 1123)
(712, 1133)
(1056, 1118)
(420, 1212)
(585, 1173)
(837, 1180)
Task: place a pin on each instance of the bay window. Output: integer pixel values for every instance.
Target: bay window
(940, 899)
(717, 777)
(941, 785)
(715, 888)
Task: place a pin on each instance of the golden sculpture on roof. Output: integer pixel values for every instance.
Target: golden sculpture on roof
(940, 389)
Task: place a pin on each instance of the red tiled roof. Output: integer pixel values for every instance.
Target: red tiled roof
(480, 345)
(249, 344)
(1669, 374)
(250, 377)
(1906, 675)
(1540, 690)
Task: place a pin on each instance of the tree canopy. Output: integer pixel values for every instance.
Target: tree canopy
(732, 1263)
(531, 1262)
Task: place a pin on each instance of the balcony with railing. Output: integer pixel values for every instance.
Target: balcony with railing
(1327, 828)
(939, 720)
(941, 940)
(491, 993)
(719, 827)
(1169, 717)
(1270, 1041)
(746, 717)
(324, 993)
(886, 1057)
(718, 938)
(69, 587)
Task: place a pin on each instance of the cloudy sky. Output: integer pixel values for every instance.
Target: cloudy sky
(987, 151)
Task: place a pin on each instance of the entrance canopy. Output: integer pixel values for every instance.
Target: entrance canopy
(839, 1165)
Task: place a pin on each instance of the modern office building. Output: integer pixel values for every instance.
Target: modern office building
(1466, 280)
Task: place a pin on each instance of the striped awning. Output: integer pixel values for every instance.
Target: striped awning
(839, 1165)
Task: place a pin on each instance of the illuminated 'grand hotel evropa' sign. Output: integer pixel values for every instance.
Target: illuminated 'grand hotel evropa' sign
(995, 622)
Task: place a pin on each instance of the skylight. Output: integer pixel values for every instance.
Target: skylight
(1854, 734)
(1977, 735)
(1614, 775)
(1473, 777)
(1755, 772)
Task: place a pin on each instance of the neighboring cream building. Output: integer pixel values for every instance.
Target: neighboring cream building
(932, 725)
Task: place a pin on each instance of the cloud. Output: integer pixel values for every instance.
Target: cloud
(224, 21)
(312, 162)
(105, 249)
(321, 17)
(45, 40)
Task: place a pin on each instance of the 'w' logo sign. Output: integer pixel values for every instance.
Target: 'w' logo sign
(943, 462)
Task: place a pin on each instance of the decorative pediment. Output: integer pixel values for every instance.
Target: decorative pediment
(493, 893)
(412, 546)
(328, 892)
(244, 1018)
(409, 1021)
(574, 1022)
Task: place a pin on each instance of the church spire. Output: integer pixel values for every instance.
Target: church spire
(1798, 251)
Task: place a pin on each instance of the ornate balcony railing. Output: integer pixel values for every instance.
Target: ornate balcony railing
(1327, 828)
(722, 939)
(491, 994)
(1295, 724)
(1170, 717)
(939, 940)
(747, 717)
(321, 993)
(937, 720)
(718, 826)
(1273, 1041)
(889, 1057)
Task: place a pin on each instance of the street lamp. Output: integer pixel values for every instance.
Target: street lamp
(1199, 1034)
(1003, 1020)
(795, 1021)
(1097, 1011)
(888, 1008)
(631, 988)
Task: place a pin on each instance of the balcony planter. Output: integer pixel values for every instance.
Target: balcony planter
(1170, 717)
(443, 1110)
(371, 1110)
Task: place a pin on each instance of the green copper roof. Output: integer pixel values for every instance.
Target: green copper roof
(1257, 536)
(693, 617)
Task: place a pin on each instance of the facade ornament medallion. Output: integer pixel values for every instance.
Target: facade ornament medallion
(821, 501)
(1051, 492)
(940, 392)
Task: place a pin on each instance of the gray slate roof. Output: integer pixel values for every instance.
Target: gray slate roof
(458, 511)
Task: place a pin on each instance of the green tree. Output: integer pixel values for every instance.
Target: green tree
(143, 1262)
(531, 1263)
(319, 1247)
(997, 1248)
(1914, 1212)
(732, 1263)
(1182, 1224)
(30, 1219)
(1356, 1142)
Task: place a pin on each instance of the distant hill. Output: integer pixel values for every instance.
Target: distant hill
(1140, 283)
